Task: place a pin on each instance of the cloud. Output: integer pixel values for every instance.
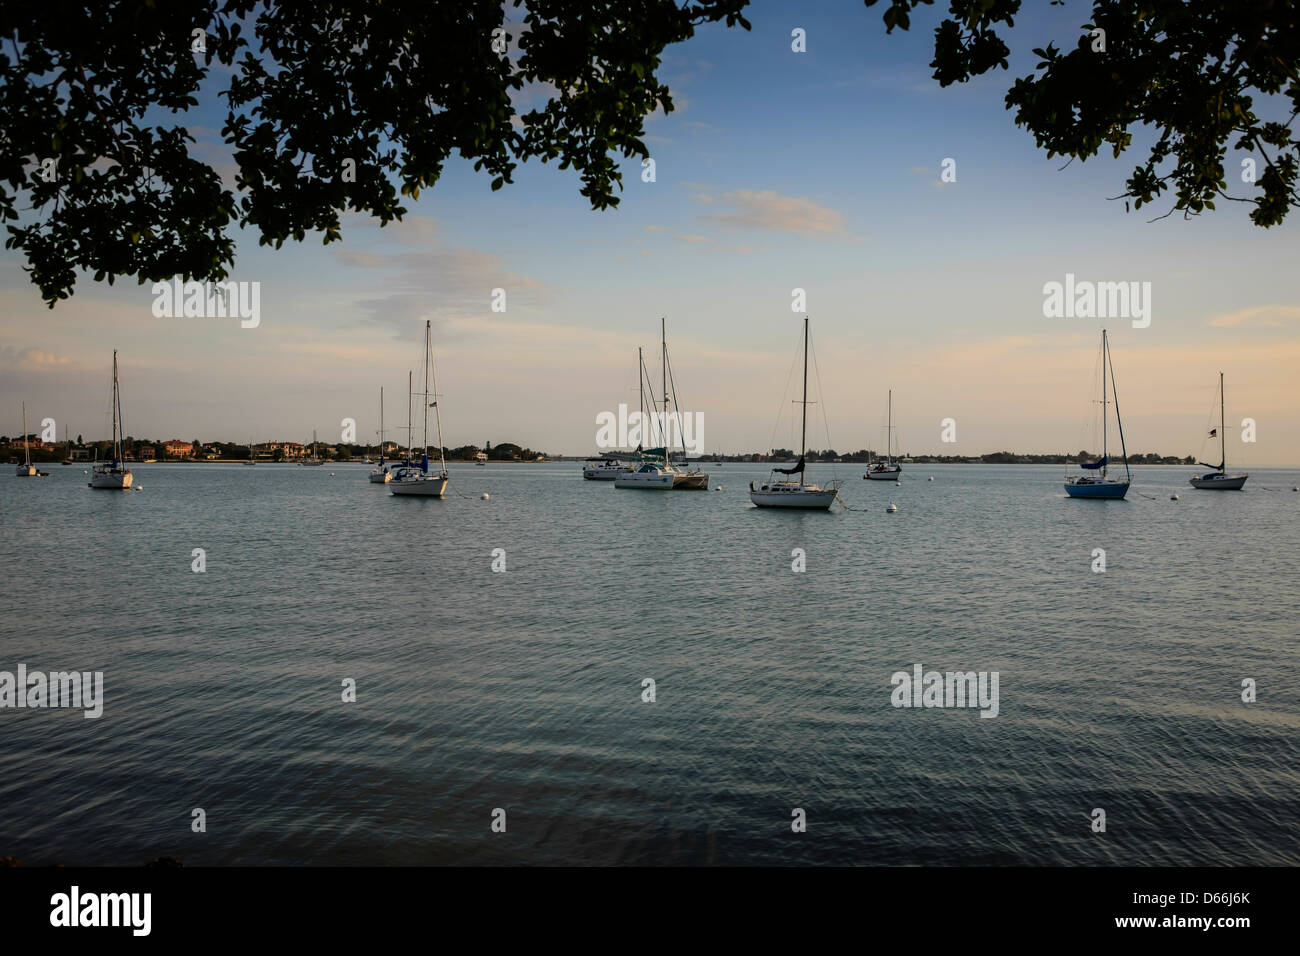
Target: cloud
(442, 285)
(356, 257)
(30, 358)
(656, 228)
(694, 239)
(417, 232)
(768, 210)
(1257, 317)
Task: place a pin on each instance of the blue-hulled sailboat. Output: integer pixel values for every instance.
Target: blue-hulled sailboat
(1095, 483)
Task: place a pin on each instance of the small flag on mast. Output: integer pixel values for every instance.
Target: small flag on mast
(1214, 433)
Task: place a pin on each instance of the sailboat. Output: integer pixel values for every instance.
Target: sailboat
(111, 474)
(687, 478)
(380, 474)
(412, 478)
(1099, 485)
(608, 466)
(27, 469)
(886, 470)
(1219, 479)
(784, 493)
(315, 458)
(67, 446)
(252, 454)
(654, 473)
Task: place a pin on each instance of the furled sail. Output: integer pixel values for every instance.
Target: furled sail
(797, 469)
(1094, 465)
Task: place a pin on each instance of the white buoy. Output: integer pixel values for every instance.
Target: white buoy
(932, 477)
(718, 488)
(892, 508)
(1297, 488)
(483, 497)
(1173, 497)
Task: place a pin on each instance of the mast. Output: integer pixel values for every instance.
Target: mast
(1222, 433)
(1104, 454)
(1119, 420)
(889, 430)
(803, 429)
(410, 412)
(113, 407)
(27, 445)
(425, 448)
(640, 385)
(437, 412)
(381, 424)
(663, 360)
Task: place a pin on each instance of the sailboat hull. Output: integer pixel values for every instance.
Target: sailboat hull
(112, 481)
(26, 471)
(381, 476)
(1113, 490)
(648, 478)
(1219, 482)
(430, 487)
(889, 474)
(695, 481)
(779, 495)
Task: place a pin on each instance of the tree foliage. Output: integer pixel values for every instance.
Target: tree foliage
(333, 106)
(330, 106)
(1189, 71)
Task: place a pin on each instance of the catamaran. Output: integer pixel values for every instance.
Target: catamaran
(1219, 479)
(380, 474)
(886, 470)
(26, 470)
(111, 474)
(412, 478)
(784, 493)
(1099, 485)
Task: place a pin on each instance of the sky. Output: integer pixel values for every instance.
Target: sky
(776, 171)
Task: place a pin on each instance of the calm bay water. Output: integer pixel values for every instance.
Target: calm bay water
(522, 690)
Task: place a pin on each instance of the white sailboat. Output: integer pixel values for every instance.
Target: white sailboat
(111, 474)
(1099, 485)
(252, 453)
(886, 470)
(315, 458)
(412, 478)
(1219, 479)
(26, 470)
(784, 493)
(380, 474)
(687, 478)
(481, 459)
(600, 468)
(654, 473)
